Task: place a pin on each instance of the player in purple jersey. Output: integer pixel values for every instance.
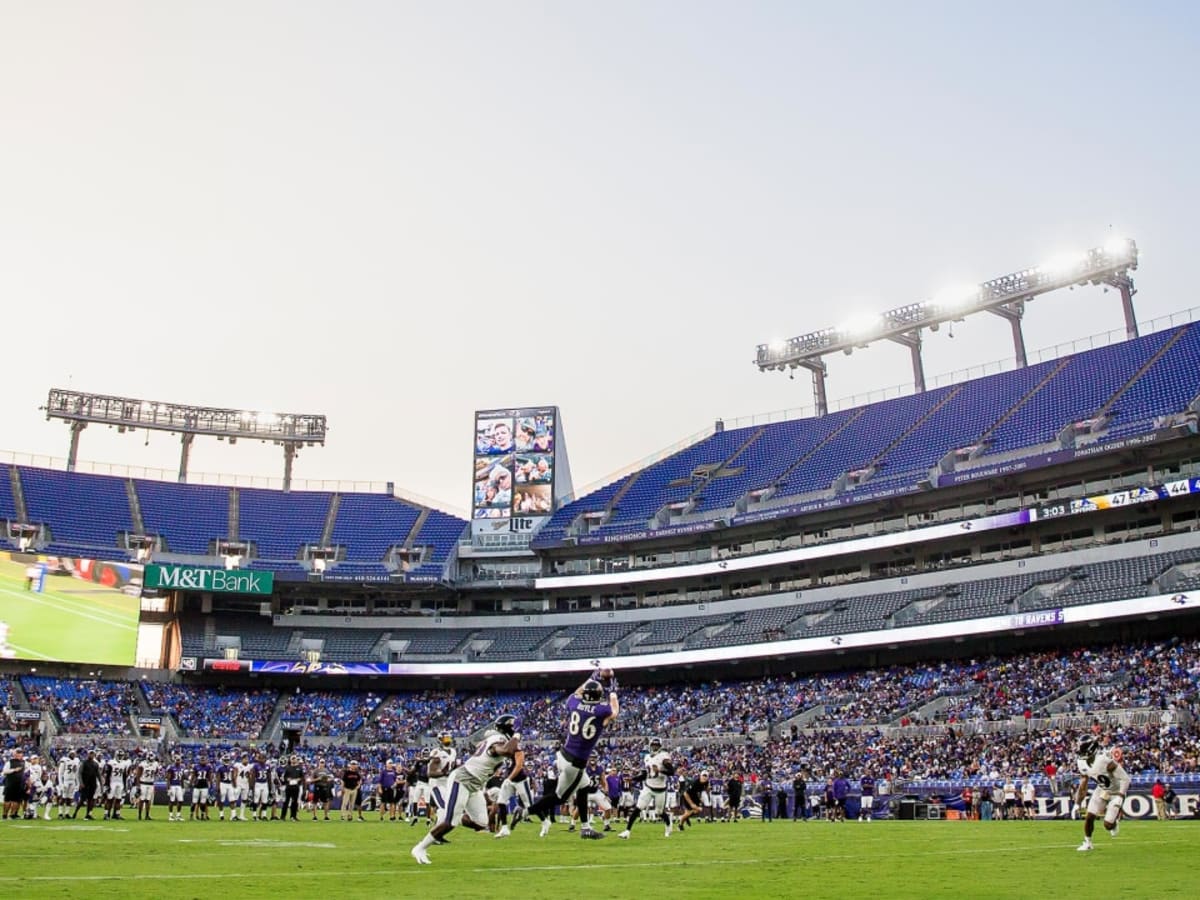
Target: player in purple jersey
(202, 779)
(175, 790)
(260, 787)
(589, 711)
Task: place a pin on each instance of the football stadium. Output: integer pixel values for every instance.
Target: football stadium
(934, 640)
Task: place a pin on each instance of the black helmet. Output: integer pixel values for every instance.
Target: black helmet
(593, 691)
(1088, 746)
(506, 725)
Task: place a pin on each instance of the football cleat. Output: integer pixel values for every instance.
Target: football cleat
(590, 834)
(421, 856)
(545, 828)
(624, 835)
(1085, 846)
(1116, 828)
(503, 832)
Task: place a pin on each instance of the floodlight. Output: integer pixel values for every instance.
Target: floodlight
(1062, 264)
(955, 297)
(860, 326)
(1116, 245)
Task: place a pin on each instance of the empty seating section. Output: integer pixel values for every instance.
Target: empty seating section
(587, 639)
(1166, 387)
(372, 570)
(280, 524)
(653, 489)
(1078, 387)
(213, 712)
(770, 455)
(664, 632)
(960, 422)
(1077, 391)
(431, 641)
(259, 639)
(597, 501)
(860, 442)
(515, 643)
(83, 510)
(188, 516)
(8, 506)
(440, 535)
(83, 707)
(344, 644)
(368, 525)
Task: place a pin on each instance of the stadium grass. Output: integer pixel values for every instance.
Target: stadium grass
(71, 621)
(131, 859)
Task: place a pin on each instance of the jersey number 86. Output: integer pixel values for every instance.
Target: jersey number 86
(585, 728)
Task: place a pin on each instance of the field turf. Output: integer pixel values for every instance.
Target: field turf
(131, 859)
(72, 620)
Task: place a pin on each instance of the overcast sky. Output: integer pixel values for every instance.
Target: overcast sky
(396, 213)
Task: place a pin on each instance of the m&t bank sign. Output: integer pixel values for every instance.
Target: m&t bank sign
(215, 581)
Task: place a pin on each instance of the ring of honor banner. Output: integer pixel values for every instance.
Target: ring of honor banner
(519, 472)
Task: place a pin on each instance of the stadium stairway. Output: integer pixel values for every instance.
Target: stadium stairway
(814, 451)
(330, 520)
(723, 467)
(135, 507)
(411, 540)
(235, 499)
(1012, 411)
(18, 494)
(874, 465)
(1146, 367)
(273, 730)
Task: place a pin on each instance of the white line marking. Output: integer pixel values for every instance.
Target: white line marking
(71, 610)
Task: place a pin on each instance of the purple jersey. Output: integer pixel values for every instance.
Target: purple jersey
(202, 775)
(868, 786)
(613, 786)
(585, 724)
(260, 771)
(387, 778)
(174, 775)
(225, 773)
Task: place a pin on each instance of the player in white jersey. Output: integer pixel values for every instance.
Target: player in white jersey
(147, 775)
(1112, 784)
(34, 770)
(441, 761)
(68, 782)
(241, 789)
(117, 771)
(658, 765)
(467, 783)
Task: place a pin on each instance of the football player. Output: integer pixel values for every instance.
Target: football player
(658, 767)
(117, 771)
(695, 795)
(175, 789)
(590, 710)
(147, 774)
(516, 784)
(465, 798)
(441, 761)
(68, 782)
(260, 785)
(1112, 783)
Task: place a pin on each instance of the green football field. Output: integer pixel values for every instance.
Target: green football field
(129, 859)
(72, 620)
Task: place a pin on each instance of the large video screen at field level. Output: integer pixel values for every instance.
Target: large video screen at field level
(513, 479)
(64, 609)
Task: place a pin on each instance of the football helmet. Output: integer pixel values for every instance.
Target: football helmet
(1088, 747)
(593, 691)
(655, 745)
(506, 725)
(446, 739)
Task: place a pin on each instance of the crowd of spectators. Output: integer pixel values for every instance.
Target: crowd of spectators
(330, 713)
(213, 712)
(84, 706)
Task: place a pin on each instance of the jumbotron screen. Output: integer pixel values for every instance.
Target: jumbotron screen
(514, 473)
(55, 608)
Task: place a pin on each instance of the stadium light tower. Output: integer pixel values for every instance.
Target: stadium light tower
(288, 430)
(1006, 297)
